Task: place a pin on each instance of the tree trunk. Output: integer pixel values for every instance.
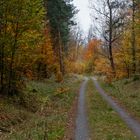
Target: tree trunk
(2, 56)
(11, 78)
(133, 41)
(2, 69)
(61, 55)
(110, 40)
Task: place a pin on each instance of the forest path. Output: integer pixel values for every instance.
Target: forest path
(81, 132)
(132, 123)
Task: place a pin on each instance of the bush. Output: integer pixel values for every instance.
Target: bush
(136, 77)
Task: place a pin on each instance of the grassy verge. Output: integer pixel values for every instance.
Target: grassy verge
(40, 112)
(127, 93)
(104, 122)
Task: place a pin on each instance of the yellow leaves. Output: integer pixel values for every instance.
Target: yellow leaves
(47, 51)
(102, 66)
(75, 67)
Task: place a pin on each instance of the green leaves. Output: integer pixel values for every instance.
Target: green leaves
(60, 13)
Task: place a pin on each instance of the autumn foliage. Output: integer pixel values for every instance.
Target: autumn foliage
(38, 40)
(33, 36)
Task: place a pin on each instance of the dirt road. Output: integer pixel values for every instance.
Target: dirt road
(81, 132)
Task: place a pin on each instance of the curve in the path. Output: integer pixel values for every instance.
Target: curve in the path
(132, 123)
(81, 132)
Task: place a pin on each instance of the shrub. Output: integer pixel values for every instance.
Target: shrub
(136, 77)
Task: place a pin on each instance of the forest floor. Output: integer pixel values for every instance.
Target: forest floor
(47, 110)
(42, 111)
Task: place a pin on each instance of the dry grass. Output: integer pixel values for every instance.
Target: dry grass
(41, 112)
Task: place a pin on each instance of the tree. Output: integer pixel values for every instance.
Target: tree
(91, 54)
(91, 33)
(76, 41)
(133, 40)
(22, 26)
(44, 61)
(73, 58)
(60, 14)
(111, 15)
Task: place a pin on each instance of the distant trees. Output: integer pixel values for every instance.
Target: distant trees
(118, 28)
(76, 41)
(74, 60)
(112, 19)
(91, 54)
(91, 33)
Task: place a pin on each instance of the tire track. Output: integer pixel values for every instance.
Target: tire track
(132, 123)
(81, 132)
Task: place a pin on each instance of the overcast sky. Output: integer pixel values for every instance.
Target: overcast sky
(84, 14)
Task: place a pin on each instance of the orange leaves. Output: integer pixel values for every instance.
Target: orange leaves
(91, 54)
(47, 50)
(91, 49)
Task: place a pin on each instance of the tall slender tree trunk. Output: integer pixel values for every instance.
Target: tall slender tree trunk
(133, 40)
(11, 77)
(110, 40)
(2, 56)
(2, 68)
(60, 54)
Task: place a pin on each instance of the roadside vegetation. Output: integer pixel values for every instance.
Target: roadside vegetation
(40, 112)
(127, 93)
(104, 122)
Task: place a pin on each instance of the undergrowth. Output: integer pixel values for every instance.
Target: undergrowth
(40, 111)
(127, 93)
